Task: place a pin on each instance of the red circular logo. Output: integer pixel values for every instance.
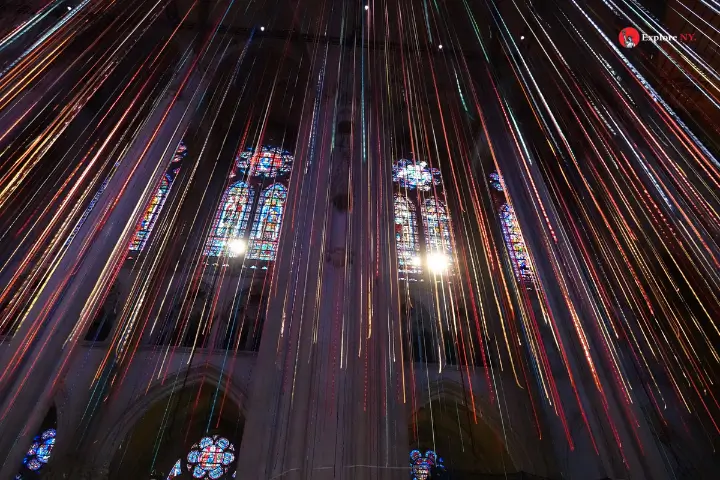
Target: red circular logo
(629, 37)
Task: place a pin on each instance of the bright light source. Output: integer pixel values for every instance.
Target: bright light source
(367, 7)
(438, 262)
(69, 7)
(237, 247)
(440, 47)
(262, 29)
(522, 37)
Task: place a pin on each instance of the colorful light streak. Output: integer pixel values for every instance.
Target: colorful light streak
(607, 178)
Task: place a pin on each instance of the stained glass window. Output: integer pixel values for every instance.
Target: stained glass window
(268, 162)
(147, 222)
(210, 457)
(437, 226)
(411, 175)
(495, 181)
(265, 232)
(176, 470)
(515, 243)
(152, 211)
(231, 220)
(40, 450)
(407, 237)
(424, 467)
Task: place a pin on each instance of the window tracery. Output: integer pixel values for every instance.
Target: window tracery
(415, 175)
(265, 233)
(231, 220)
(515, 243)
(407, 237)
(268, 162)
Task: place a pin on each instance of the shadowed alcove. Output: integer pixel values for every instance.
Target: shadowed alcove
(170, 427)
(469, 449)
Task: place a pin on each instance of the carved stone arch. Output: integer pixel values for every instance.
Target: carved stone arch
(117, 434)
(482, 428)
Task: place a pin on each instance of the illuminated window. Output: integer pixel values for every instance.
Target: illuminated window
(265, 232)
(40, 450)
(407, 238)
(415, 175)
(495, 181)
(436, 226)
(515, 243)
(211, 457)
(425, 467)
(268, 162)
(231, 220)
(152, 211)
(176, 470)
(237, 209)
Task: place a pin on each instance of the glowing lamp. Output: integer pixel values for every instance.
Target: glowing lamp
(438, 262)
(237, 247)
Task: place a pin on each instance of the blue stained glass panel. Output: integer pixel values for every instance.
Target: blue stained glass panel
(495, 181)
(407, 237)
(40, 451)
(210, 457)
(231, 219)
(265, 233)
(436, 224)
(176, 470)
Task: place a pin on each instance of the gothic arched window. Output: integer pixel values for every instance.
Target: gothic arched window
(515, 243)
(152, 211)
(265, 232)
(231, 219)
(413, 179)
(39, 452)
(211, 457)
(407, 238)
(436, 225)
(262, 171)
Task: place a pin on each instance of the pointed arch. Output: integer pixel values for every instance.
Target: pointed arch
(407, 236)
(231, 219)
(436, 224)
(265, 233)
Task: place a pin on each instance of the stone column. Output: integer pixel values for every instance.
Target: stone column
(641, 462)
(323, 396)
(28, 394)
